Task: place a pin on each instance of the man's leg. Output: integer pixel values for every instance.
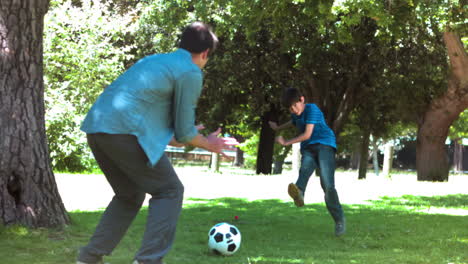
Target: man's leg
(160, 181)
(326, 159)
(163, 213)
(120, 212)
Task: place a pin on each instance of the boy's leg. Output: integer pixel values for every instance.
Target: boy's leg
(326, 159)
(160, 181)
(308, 165)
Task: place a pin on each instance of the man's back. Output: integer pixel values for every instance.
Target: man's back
(144, 99)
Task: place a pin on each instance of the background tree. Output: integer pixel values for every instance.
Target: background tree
(355, 59)
(431, 160)
(28, 191)
(85, 49)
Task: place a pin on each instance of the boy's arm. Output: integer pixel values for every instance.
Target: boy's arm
(275, 126)
(302, 137)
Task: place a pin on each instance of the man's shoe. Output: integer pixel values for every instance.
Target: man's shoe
(296, 194)
(340, 228)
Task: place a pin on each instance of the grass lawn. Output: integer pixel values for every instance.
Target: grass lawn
(387, 230)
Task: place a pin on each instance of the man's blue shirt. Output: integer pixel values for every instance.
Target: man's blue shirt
(322, 133)
(154, 100)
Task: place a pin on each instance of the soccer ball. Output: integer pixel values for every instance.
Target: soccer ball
(224, 239)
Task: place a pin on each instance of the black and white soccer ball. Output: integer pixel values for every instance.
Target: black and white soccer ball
(224, 239)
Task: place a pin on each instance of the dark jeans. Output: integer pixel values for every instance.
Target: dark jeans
(125, 166)
(323, 157)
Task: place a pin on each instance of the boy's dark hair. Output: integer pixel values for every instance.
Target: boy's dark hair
(197, 37)
(290, 97)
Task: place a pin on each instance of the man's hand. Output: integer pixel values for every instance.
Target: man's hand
(280, 140)
(218, 144)
(214, 143)
(273, 125)
(177, 144)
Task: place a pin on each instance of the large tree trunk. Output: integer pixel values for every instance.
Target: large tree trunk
(28, 191)
(431, 157)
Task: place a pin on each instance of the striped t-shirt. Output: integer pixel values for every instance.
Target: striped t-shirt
(322, 133)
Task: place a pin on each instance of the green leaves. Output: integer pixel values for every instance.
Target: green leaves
(83, 53)
(384, 60)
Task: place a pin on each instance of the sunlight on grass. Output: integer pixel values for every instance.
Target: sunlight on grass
(17, 231)
(445, 211)
(448, 205)
(391, 229)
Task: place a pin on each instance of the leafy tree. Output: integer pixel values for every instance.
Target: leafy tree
(437, 99)
(84, 50)
(28, 191)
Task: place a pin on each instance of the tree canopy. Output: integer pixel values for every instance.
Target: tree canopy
(373, 62)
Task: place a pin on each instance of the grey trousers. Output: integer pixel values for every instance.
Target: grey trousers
(126, 168)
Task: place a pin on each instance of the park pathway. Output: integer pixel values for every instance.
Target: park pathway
(91, 192)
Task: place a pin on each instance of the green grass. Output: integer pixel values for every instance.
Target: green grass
(390, 230)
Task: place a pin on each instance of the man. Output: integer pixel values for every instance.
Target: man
(128, 128)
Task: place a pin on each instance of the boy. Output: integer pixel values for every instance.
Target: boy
(318, 147)
(150, 105)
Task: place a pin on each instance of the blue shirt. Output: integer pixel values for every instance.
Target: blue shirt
(154, 100)
(321, 134)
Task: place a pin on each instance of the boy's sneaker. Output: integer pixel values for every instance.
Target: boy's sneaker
(340, 228)
(296, 194)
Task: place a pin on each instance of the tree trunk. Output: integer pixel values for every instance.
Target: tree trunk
(388, 160)
(266, 144)
(375, 157)
(364, 155)
(28, 191)
(239, 159)
(214, 162)
(278, 169)
(457, 156)
(355, 156)
(296, 158)
(431, 158)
